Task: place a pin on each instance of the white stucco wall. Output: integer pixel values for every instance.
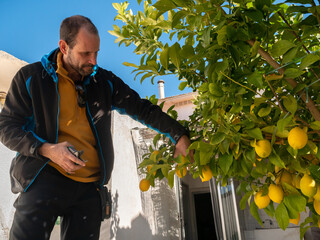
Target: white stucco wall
(136, 215)
(7, 197)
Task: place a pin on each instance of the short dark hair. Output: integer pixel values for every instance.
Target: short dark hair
(70, 27)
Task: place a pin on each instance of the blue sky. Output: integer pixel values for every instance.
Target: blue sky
(30, 29)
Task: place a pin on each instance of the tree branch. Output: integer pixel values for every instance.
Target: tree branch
(309, 104)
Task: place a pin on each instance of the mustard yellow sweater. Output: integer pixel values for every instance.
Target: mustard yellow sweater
(74, 128)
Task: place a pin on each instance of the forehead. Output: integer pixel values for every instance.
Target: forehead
(86, 41)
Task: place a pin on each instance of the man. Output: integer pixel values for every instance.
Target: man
(61, 102)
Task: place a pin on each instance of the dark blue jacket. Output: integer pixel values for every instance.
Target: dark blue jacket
(30, 117)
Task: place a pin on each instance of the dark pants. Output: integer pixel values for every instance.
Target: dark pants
(52, 195)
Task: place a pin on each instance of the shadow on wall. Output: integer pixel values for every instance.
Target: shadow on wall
(140, 228)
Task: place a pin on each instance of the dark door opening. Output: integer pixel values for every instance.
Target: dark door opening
(204, 217)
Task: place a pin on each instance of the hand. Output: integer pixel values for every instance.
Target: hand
(182, 146)
(59, 154)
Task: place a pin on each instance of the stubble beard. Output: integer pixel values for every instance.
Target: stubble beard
(80, 70)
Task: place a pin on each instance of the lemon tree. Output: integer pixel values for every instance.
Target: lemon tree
(255, 67)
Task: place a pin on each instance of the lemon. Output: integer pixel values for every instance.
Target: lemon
(308, 186)
(316, 205)
(263, 148)
(296, 220)
(261, 201)
(297, 138)
(144, 185)
(206, 174)
(317, 195)
(275, 193)
(183, 170)
(286, 177)
(296, 181)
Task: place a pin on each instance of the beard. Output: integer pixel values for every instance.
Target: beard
(83, 70)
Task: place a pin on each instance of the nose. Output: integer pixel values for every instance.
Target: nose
(93, 60)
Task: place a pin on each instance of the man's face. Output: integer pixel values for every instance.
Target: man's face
(83, 56)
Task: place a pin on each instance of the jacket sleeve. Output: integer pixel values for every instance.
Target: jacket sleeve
(16, 118)
(127, 101)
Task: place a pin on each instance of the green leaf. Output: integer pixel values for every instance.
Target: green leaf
(218, 138)
(164, 58)
(182, 85)
(290, 55)
(255, 133)
(297, 9)
(293, 73)
(222, 36)
(282, 123)
(170, 178)
(263, 112)
(254, 14)
(315, 172)
(187, 51)
(145, 76)
(251, 155)
(254, 49)
(290, 103)
(244, 199)
(309, 60)
(282, 216)
(206, 151)
(270, 210)
(130, 64)
(164, 5)
(315, 125)
(256, 79)
(276, 160)
(225, 162)
(255, 213)
(281, 47)
(178, 16)
(236, 108)
(295, 203)
(298, 1)
(174, 54)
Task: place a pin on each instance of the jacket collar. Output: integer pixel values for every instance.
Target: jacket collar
(49, 62)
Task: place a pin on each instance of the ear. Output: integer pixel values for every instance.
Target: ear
(63, 46)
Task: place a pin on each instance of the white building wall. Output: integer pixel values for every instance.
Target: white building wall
(7, 197)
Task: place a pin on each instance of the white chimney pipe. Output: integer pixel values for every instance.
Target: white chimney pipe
(161, 89)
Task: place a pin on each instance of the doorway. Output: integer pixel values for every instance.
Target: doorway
(204, 217)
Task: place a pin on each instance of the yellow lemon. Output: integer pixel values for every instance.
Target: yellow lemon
(261, 201)
(316, 205)
(308, 186)
(296, 220)
(206, 174)
(275, 193)
(296, 181)
(286, 177)
(263, 148)
(144, 185)
(317, 195)
(183, 170)
(297, 138)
